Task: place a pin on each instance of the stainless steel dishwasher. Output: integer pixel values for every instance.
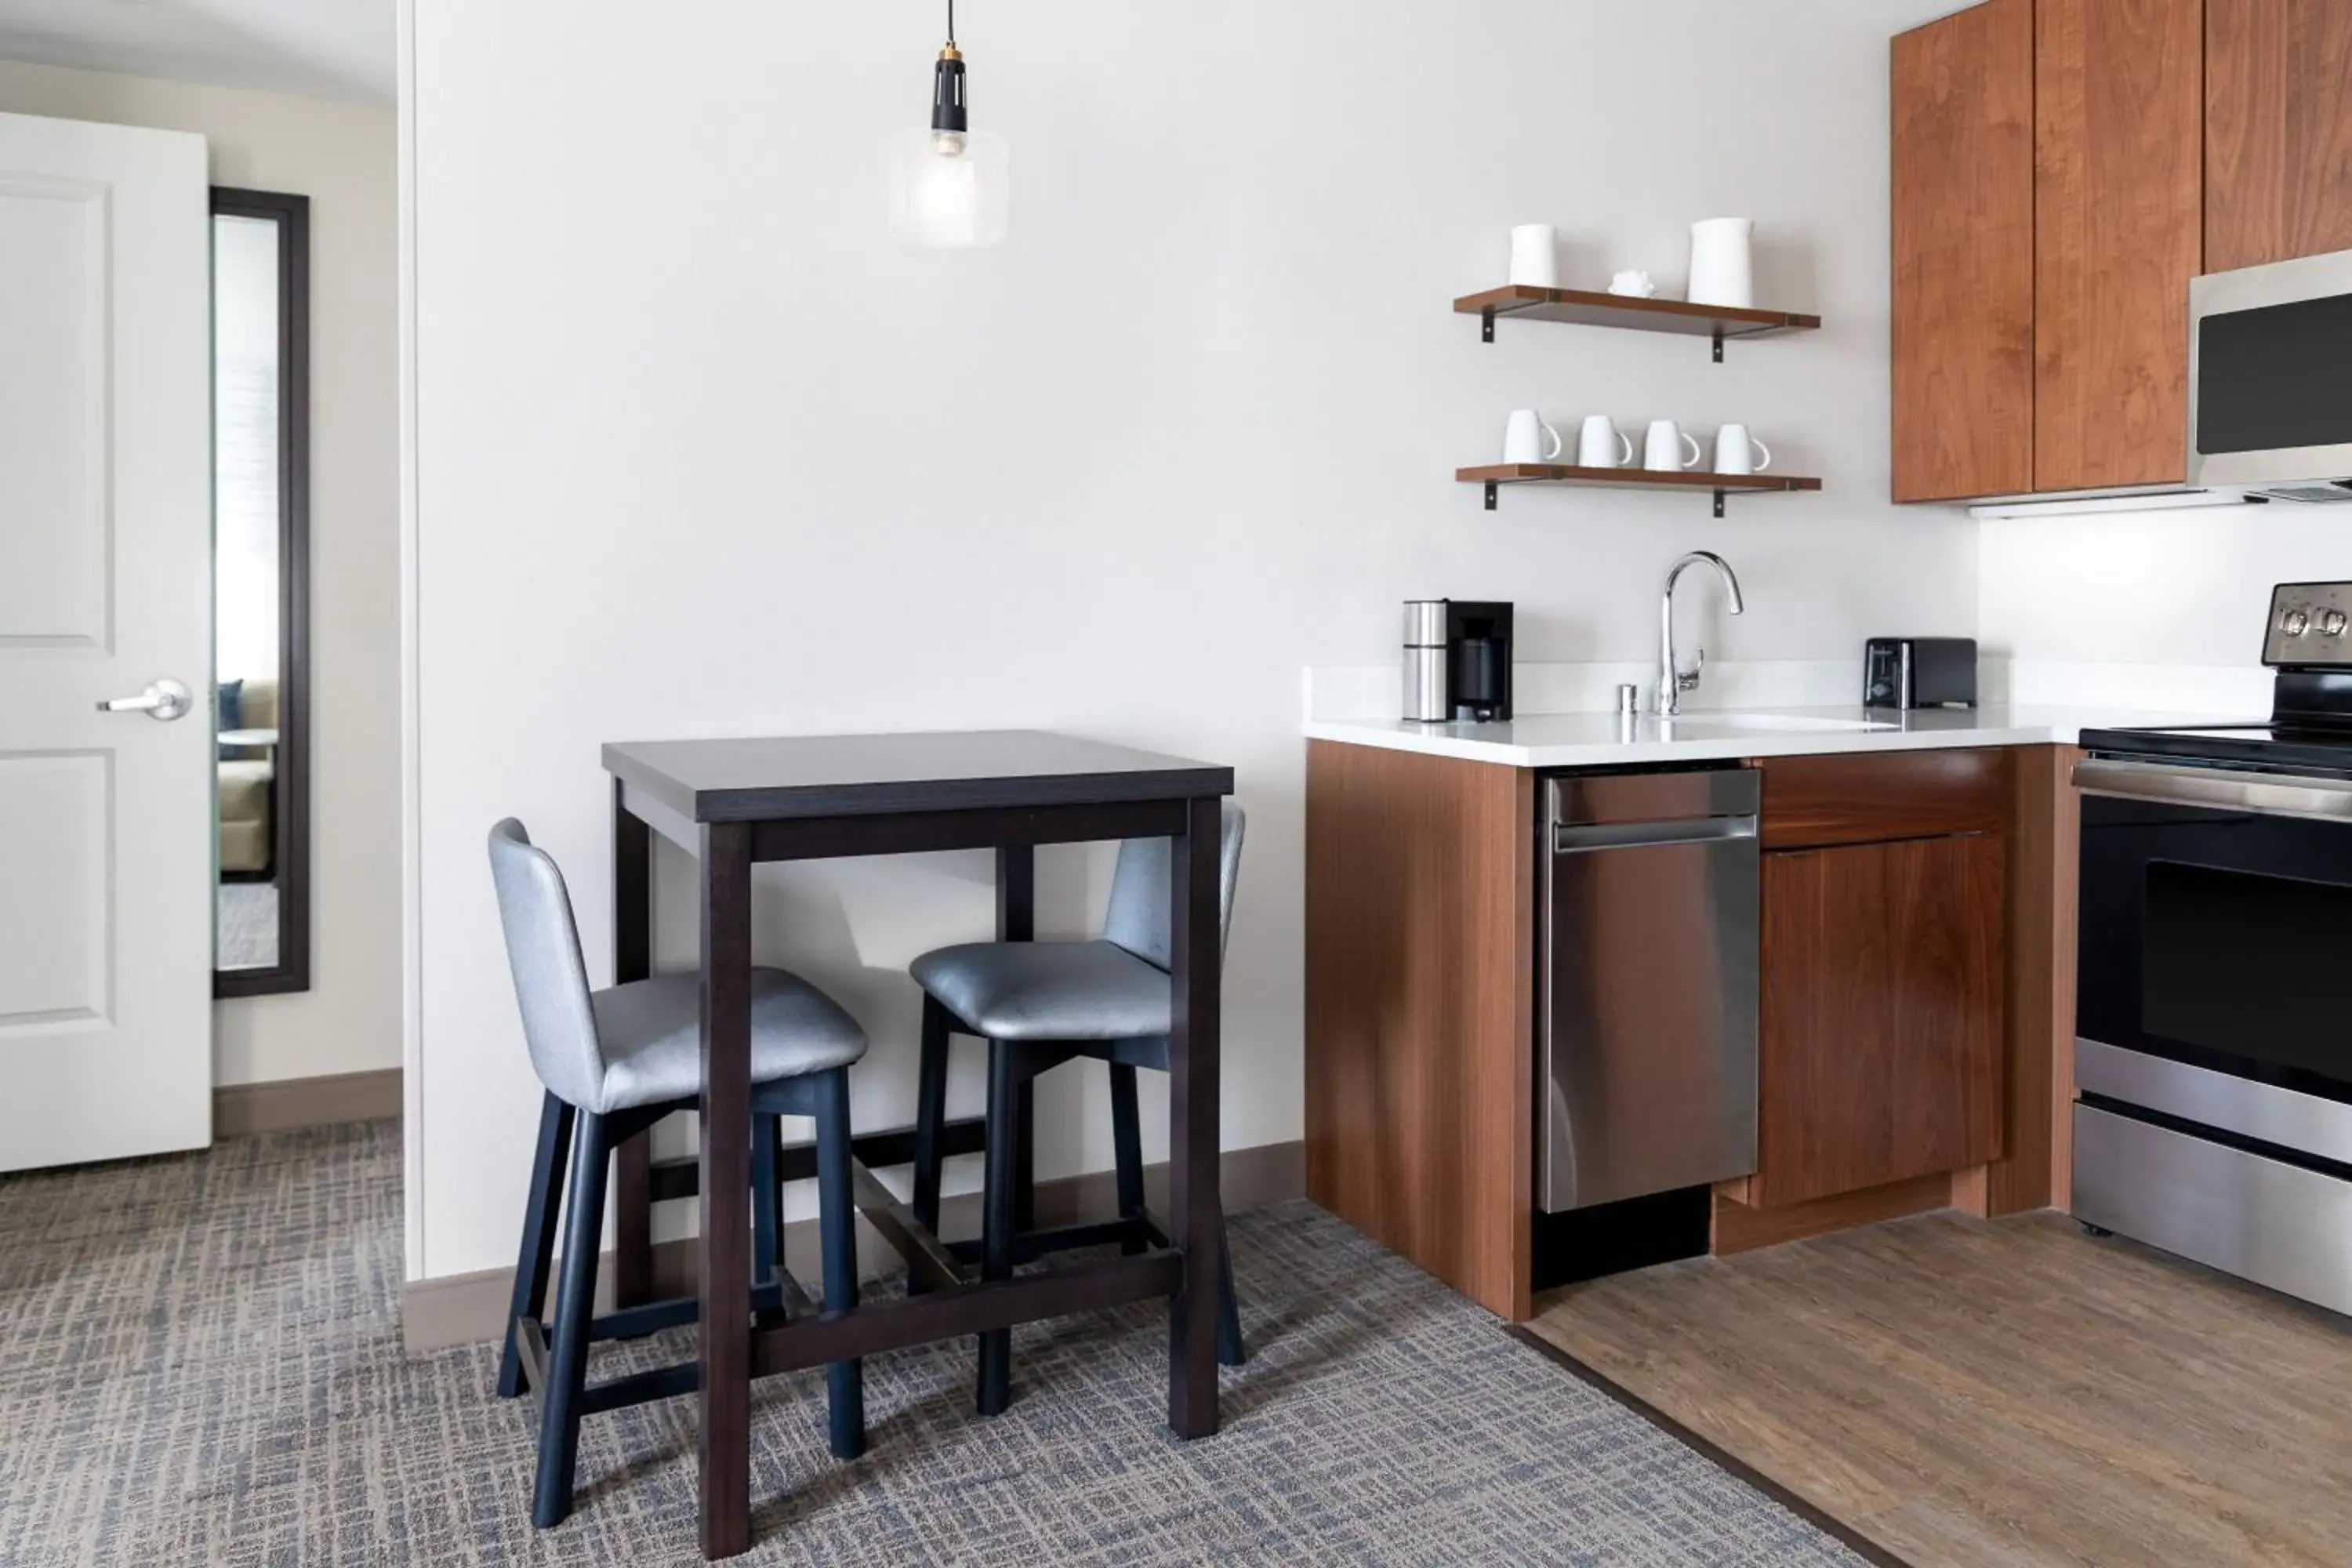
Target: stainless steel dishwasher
(1649, 985)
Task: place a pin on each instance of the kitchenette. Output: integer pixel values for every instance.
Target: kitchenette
(1920, 1077)
(1603, 1006)
(1589, 991)
(1592, 991)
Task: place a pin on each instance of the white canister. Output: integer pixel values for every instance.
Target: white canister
(1535, 255)
(1722, 271)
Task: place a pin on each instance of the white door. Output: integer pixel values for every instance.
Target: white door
(106, 832)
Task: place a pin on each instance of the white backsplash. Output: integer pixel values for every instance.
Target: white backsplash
(1377, 691)
(1338, 694)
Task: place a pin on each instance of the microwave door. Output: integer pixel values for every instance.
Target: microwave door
(2270, 401)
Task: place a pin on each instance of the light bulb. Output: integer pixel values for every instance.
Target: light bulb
(948, 189)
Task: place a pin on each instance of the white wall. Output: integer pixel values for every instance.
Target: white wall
(698, 450)
(2154, 589)
(341, 157)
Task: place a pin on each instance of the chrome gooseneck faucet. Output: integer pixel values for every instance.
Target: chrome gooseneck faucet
(1673, 679)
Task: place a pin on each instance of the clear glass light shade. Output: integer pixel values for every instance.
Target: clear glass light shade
(949, 190)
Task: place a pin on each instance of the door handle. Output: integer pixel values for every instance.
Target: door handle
(163, 701)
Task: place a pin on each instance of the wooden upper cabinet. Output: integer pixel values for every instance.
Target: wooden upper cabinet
(2278, 130)
(1963, 251)
(2119, 207)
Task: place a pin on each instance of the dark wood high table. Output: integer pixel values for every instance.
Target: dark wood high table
(734, 803)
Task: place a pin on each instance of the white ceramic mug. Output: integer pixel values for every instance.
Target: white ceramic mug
(1721, 270)
(1664, 447)
(1527, 439)
(1535, 255)
(1600, 445)
(1738, 452)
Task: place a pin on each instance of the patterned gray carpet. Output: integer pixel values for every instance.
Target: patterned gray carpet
(200, 1361)
(248, 925)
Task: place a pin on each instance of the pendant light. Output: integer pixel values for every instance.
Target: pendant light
(950, 185)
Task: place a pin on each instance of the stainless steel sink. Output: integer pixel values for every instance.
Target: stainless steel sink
(1689, 722)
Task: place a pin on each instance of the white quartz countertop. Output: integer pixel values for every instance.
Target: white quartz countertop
(1603, 740)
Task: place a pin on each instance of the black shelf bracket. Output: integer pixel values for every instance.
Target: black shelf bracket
(1719, 503)
(1493, 490)
(1486, 326)
(1718, 345)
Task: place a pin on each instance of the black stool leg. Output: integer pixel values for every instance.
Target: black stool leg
(1127, 1145)
(1231, 1351)
(567, 1359)
(998, 1205)
(538, 1236)
(931, 1114)
(838, 1220)
(767, 1235)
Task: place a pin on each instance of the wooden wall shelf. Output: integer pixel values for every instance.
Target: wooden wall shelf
(1495, 475)
(1586, 308)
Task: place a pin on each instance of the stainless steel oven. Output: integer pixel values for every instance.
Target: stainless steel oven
(2213, 1016)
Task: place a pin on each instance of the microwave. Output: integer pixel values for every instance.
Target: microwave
(2270, 380)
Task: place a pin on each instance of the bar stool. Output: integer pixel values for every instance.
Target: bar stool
(1039, 1005)
(613, 1063)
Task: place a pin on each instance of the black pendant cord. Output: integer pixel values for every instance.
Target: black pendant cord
(948, 116)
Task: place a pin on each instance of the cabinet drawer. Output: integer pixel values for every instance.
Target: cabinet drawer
(1809, 802)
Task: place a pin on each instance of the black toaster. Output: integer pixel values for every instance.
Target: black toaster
(1919, 672)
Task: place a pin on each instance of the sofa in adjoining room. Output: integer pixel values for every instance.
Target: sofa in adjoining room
(248, 778)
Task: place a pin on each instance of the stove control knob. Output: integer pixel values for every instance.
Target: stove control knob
(2331, 624)
(2295, 623)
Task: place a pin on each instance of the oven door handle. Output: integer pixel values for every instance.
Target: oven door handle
(2263, 795)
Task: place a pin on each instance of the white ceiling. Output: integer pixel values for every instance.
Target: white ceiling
(321, 48)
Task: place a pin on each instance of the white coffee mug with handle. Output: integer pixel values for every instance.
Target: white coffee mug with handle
(1527, 439)
(1738, 452)
(1663, 447)
(1600, 445)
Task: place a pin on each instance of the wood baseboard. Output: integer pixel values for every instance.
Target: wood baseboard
(1738, 1229)
(465, 1308)
(284, 1104)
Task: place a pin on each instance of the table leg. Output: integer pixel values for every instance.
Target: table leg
(1016, 920)
(633, 959)
(725, 1152)
(1195, 953)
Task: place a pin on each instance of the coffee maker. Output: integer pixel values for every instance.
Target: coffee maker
(1457, 660)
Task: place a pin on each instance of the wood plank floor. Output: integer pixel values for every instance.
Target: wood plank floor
(1984, 1394)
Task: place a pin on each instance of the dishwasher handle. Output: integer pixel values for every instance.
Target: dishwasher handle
(1585, 838)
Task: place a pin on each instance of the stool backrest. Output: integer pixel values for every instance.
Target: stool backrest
(550, 979)
(1140, 892)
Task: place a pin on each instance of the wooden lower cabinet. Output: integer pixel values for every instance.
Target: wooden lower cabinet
(1421, 905)
(1882, 1015)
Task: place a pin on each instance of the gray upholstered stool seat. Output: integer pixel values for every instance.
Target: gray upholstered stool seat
(651, 1036)
(1048, 990)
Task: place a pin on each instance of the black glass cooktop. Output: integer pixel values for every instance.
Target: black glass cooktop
(2262, 744)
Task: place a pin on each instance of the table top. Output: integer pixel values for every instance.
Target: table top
(248, 737)
(774, 777)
